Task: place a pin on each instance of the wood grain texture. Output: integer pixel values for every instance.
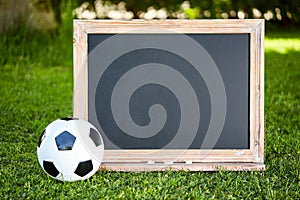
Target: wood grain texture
(207, 160)
(128, 167)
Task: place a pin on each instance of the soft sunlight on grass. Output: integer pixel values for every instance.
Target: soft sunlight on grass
(282, 45)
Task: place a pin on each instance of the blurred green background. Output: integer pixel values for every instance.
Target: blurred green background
(46, 25)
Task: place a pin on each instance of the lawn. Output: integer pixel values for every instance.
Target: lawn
(36, 88)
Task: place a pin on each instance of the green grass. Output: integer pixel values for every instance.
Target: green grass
(36, 88)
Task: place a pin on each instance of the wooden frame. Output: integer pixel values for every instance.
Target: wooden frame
(194, 160)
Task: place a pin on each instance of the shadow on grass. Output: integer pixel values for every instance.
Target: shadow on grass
(280, 31)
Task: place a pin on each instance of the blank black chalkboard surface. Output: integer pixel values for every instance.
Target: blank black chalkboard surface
(173, 94)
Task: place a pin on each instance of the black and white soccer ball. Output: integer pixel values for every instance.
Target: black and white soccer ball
(70, 149)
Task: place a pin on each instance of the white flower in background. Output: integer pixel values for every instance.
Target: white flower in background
(162, 13)
(256, 13)
(103, 10)
(241, 15)
(87, 14)
(150, 14)
(268, 15)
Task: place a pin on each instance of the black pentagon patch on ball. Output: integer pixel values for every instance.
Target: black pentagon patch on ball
(65, 141)
(84, 168)
(50, 168)
(94, 135)
(43, 135)
(69, 118)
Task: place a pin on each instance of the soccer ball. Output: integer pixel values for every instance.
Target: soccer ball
(70, 149)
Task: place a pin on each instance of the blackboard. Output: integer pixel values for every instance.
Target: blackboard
(230, 52)
(181, 90)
